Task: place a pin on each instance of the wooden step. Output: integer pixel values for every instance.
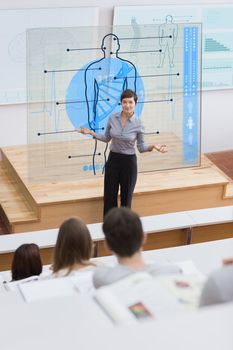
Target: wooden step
(17, 177)
(15, 207)
(229, 191)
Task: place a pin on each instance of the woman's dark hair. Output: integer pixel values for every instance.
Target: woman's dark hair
(26, 262)
(128, 94)
(73, 246)
(123, 231)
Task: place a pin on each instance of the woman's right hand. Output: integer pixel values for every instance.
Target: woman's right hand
(85, 131)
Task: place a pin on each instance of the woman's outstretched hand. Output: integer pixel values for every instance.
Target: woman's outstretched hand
(159, 148)
(85, 131)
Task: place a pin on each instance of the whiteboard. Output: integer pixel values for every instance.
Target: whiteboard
(13, 26)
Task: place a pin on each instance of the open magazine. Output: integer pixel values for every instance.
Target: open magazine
(142, 297)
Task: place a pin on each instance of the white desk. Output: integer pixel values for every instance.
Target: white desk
(206, 329)
(44, 238)
(10, 300)
(77, 323)
(166, 222)
(47, 322)
(211, 216)
(156, 223)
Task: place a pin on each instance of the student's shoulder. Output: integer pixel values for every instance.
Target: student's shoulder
(101, 275)
(104, 275)
(102, 269)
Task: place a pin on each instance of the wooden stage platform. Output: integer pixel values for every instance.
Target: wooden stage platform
(28, 206)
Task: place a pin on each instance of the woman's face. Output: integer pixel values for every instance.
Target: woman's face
(128, 105)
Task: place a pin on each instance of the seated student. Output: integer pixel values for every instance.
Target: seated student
(26, 262)
(219, 286)
(73, 249)
(124, 237)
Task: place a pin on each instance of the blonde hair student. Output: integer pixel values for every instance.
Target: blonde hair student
(73, 248)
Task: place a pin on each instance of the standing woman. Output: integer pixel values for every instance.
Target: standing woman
(124, 129)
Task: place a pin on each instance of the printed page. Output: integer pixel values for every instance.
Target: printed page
(138, 297)
(185, 287)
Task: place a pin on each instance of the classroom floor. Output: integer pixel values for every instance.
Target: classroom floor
(223, 160)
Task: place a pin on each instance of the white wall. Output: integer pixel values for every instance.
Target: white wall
(217, 120)
(217, 106)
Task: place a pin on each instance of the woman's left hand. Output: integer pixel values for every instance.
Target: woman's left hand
(160, 148)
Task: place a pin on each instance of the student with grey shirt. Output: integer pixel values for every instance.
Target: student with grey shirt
(124, 237)
(219, 286)
(123, 129)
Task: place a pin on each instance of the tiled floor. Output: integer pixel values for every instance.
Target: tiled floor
(223, 160)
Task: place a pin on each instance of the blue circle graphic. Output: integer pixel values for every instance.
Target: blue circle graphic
(94, 92)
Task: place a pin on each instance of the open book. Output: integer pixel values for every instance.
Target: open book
(142, 297)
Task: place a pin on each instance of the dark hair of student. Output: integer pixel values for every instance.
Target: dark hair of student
(73, 246)
(123, 231)
(26, 262)
(128, 94)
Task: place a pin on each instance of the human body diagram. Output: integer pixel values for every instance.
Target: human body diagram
(104, 81)
(168, 33)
